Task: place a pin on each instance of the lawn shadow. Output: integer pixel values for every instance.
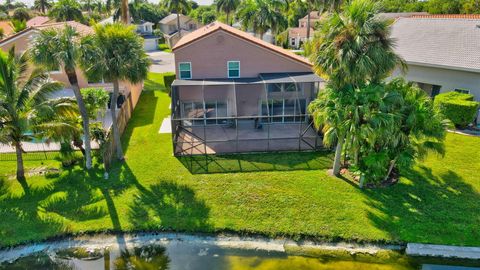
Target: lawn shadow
(256, 162)
(430, 208)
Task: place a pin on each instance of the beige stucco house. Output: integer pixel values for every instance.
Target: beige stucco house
(298, 35)
(22, 40)
(236, 93)
(169, 28)
(442, 52)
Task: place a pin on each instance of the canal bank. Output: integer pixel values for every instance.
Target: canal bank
(207, 250)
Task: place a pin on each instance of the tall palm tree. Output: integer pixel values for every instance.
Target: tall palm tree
(61, 49)
(227, 6)
(25, 107)
(66, 10)
(177, 6)
(116, 54)
(311, 5)
(354, 48)
(262, 15)
(125, 12)
(42, 5)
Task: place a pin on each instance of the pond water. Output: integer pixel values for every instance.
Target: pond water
(203, 256)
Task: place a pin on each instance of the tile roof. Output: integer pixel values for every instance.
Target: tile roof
(7, 28)
(81, 28)
(452, 43)
(215, 26)
(38, 20)
(314, 15)
(172, 17)
(448, 16)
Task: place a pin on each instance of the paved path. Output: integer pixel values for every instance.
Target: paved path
(162, 62)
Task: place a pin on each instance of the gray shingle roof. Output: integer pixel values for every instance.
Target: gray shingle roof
(447, 42)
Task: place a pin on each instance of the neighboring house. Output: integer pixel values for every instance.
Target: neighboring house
(236, 93)
(145, 29)
(38, 20)
(7, 28)
(168, 26)
(442, 52)
(22, 40)
(298, 35)
(268, 36)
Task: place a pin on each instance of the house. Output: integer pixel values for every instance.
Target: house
(38, 20)
(22, 40)
(397, 15)
(298, 35)
(169, 28)
(442, 52)
(7, 28)
(144, 29)
(236, 93)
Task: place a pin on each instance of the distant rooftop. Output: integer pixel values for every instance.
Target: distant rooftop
(448, 41)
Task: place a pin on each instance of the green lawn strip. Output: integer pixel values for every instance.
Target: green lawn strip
(164, 47)
(272, 194)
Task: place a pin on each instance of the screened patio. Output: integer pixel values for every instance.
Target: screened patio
(268, 113)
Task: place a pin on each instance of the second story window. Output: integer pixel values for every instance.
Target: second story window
(185, 70)
(233, 69)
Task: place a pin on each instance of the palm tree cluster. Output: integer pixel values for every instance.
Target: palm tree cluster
(374, 124)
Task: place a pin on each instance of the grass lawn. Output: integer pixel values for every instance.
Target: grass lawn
(272, 194)
(164, 47)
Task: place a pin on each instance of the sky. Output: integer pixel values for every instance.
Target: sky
(200, 2)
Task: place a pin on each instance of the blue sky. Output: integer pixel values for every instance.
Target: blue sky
(200, 2)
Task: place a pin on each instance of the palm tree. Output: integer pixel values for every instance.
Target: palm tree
(42, 5)
(227, 6)
(66, 10)
(311, 5)
(124, 12)
(18, 25)
(116, 54)
(24, 104)
(177, 6)
(61, 48)
(354, 48)
(262, 15)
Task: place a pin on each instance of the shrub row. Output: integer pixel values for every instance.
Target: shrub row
(458, 107)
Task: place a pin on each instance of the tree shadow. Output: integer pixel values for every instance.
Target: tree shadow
(169, 206)
(287, 161)
(428, 208)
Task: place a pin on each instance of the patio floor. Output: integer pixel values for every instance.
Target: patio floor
(223, 139)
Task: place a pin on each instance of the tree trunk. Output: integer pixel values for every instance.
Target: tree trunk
(308, 25)
(20, 168)
(72, 78)
(228, 20)
(116, 132)
(390, 169)
(362, 180)
(338, 156)
(124, 11)
(178, 25)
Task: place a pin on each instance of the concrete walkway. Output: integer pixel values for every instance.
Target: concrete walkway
(415, 249)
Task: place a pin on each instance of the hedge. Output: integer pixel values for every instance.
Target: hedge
(168, 80)
(458, 107)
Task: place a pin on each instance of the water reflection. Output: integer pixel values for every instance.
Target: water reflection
(188, 256)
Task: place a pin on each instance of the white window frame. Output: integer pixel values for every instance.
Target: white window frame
(180, 71)
(228, 69)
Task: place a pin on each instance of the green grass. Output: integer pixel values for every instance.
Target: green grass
(286, 194)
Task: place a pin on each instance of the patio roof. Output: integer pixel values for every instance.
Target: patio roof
(263, 78)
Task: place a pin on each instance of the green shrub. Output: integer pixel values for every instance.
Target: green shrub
(458, 107)
(168, 80)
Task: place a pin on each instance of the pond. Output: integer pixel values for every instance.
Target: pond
(199, 254)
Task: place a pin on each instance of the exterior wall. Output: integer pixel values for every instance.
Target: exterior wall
(448, 79)
(185, 23)
(209, 57)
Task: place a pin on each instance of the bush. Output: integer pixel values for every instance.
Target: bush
(459, 108)
(168, 80)
(21, 14)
